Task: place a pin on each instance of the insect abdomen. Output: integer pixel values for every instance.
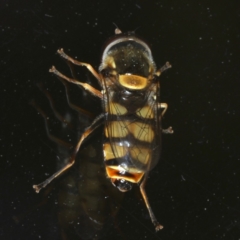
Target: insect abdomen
(129, 133)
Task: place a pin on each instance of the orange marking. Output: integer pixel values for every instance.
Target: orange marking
(134, 178)
(133, 82)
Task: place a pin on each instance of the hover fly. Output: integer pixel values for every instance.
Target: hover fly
(132, 113)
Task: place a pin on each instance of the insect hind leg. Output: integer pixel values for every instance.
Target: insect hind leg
(157, 225)
(96, 123)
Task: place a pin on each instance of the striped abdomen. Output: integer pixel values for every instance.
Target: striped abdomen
(131, 139)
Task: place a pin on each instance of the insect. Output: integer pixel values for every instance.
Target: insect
(132, 113)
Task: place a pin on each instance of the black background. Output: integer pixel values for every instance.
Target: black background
(195, 188)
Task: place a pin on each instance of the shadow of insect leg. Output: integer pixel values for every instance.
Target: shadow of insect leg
(46, 120)
(73, 106)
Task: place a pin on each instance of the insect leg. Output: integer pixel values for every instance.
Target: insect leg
(86, 86)
(87, 65)
(96, 123)
(169, 130)
(164, 106)
(157, 225)
(166, 66)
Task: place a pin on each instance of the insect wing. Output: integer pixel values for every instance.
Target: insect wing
(135, 136)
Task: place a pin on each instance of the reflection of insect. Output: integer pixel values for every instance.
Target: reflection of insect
(87, 201)
(131, 113)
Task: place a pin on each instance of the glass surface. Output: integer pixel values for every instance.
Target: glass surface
(194, 189)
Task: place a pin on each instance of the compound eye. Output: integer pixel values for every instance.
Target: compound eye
(122, 185)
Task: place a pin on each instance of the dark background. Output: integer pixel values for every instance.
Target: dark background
(195, 188)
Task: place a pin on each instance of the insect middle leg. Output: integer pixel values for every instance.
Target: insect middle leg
(163, 106)
(169, 130)
(96, 123)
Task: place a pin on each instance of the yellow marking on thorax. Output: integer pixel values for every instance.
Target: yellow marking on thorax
(117, 109)
(145, 112)
(120, 129)
(133, 82)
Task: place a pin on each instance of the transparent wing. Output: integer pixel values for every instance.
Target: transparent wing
(134, 135)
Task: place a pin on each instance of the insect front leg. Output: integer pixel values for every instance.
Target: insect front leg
(86, 86)
(96, 123)
(87, 65)
(166, 66)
